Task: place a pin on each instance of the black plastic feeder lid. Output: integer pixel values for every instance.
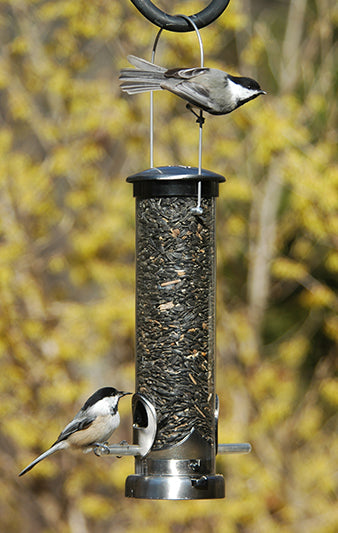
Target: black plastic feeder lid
(174, 181)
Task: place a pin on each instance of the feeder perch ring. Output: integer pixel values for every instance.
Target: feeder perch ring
(176, 23)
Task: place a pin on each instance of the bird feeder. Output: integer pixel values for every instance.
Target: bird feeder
(175, 407)
(175, 331)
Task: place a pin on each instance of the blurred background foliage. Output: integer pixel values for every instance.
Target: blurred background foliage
(68, 140)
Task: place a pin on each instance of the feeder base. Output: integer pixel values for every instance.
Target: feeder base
(175, 487)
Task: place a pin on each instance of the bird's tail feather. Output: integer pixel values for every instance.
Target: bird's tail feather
(59, 446)
(145, 77)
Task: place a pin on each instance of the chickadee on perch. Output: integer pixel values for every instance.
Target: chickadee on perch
(91, 426)
(209, 89)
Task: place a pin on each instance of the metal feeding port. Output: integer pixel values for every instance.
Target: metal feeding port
(144, 431)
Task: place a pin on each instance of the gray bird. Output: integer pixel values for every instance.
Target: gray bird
(91, 426)
(209, 89)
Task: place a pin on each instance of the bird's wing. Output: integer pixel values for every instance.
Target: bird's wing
(78, 423)
(194, 93)
(184, 82)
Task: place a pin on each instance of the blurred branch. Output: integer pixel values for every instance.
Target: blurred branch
(262, 251)
(291, 48)
(38, 57)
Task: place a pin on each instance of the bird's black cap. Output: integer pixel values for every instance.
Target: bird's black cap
(248, 83)
(105, 392)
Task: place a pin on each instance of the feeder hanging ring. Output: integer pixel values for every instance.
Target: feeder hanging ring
(176, 23)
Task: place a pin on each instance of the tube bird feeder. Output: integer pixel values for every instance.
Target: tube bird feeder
(175, 332)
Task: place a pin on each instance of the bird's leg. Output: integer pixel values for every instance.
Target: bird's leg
(198, 210)
(199, 116)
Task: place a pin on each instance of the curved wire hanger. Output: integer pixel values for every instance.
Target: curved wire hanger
(198, 209)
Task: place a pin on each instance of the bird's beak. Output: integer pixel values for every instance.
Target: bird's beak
(262, 92)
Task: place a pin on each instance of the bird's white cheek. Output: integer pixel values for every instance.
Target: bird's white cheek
(238, 92)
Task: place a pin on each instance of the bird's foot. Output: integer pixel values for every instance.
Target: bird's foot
(101, 448)
(199, 116)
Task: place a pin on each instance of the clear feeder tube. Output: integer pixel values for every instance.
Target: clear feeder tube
(175, 315)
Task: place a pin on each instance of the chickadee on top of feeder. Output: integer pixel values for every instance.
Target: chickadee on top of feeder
(209, 89)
